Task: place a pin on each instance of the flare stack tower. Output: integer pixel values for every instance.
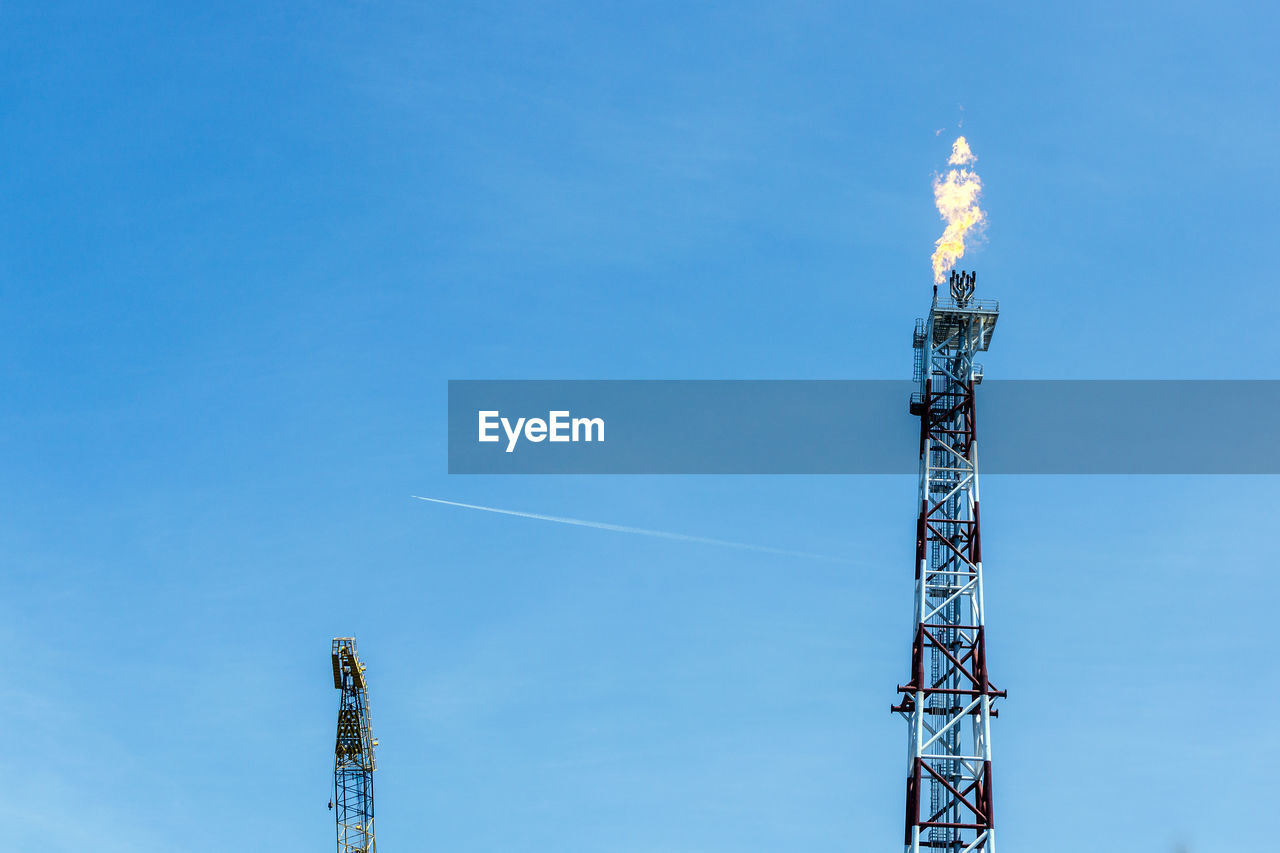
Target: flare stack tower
(947, 702)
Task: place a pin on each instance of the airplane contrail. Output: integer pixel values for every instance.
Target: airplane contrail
(659, 534)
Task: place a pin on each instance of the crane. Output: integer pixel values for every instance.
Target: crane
(353, 761)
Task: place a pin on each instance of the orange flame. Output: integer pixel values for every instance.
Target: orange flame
(957, 196)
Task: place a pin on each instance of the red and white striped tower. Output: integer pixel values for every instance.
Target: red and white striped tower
(947, 701)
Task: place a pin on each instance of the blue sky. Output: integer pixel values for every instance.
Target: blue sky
(245, 245)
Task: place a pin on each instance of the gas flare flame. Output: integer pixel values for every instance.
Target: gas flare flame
(957, 196)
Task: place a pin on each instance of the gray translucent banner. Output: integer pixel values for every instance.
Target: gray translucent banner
(857, 427)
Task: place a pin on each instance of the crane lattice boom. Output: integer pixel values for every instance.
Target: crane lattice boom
(354, 761)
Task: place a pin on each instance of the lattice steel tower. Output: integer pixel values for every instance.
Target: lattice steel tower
(354, 761)
(947, 703)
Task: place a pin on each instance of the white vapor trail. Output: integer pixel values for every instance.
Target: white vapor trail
(659, 534)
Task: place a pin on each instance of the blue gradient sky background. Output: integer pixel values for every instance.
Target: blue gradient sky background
(244, 246)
